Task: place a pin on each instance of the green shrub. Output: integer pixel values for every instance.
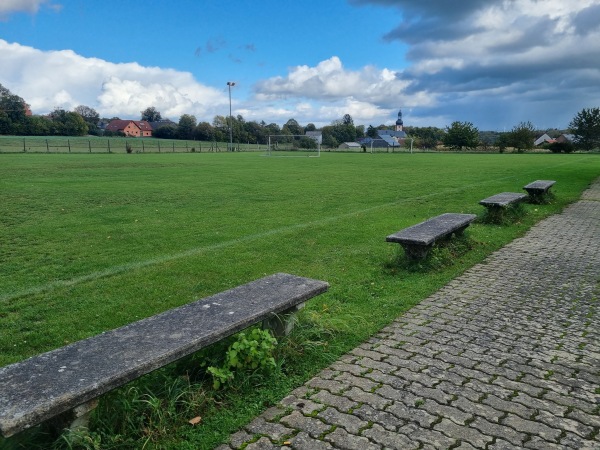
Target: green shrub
(251, 351)
(558, 147)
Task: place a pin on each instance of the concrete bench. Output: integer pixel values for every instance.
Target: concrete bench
(418, 239)
(66, 382)
(503, 200)
(499, 205)
(539, 190)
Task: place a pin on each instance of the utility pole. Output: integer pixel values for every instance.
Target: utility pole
(229, 85)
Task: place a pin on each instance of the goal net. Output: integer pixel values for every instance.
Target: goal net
(298, 145)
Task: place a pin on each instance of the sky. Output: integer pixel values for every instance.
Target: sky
(494, 63)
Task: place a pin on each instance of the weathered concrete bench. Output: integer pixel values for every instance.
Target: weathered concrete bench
(418, 239)
(66, 382)
(498, 205)
(539, 190)
(503, 200)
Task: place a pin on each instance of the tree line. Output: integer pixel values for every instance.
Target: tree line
(585, 128)
(83, 120)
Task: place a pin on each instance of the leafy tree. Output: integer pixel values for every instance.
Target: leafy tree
(90, 116)
(221, 122)
(557, 147)
(345, 133)
(12, 112)
(329, 139)
(371, 131)
(428, 137)
(239, 131)
(340, 131)
(37, 126)
(489, 138)
(204, 132)
(522, 136)
(310, 127)
(503, 142)
(74, 125)
(166, 132)
(150, 114)
(186, 126)
(586, 128)
(273, 128)
(307, 142)
(292, 127)
(461, 135)
(220, 128)
(67, 123)
(360, 131)
(256, 132)
(347, 119)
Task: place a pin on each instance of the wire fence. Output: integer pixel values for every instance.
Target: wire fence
(117, 145)
(33, 144)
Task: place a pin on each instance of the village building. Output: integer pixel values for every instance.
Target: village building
(131, 128)
(388, 138)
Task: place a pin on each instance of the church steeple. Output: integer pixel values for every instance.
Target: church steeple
(399, 122)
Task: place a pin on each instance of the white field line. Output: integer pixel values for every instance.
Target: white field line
(198, 250)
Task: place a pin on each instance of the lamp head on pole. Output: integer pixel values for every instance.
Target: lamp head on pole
(231, 83)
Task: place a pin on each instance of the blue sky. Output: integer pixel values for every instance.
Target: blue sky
(494, 63)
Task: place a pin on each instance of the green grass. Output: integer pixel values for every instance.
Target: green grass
(93, 242)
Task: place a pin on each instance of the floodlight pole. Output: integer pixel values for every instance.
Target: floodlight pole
(229, 85)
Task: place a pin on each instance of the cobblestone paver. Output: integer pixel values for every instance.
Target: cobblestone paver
(507, 356)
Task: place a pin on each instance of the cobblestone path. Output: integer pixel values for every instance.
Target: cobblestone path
(507, 356)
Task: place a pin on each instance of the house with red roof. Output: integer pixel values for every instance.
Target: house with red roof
(133, 128)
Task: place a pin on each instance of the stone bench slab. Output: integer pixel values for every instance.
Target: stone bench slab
(49, 384)
(418, 239)
(503, 199)
(539, 191)
(427, 232)
(539, 186)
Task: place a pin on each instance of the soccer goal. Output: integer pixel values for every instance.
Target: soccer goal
(294, 145)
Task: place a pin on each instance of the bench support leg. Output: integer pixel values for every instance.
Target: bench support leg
(415, 252)
(282, 324)
(496, 214)
(76, 418)
(461, 231)
(539, 197)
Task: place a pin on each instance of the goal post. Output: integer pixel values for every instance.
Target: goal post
(294, 145)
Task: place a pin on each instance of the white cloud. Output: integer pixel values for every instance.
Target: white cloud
(369, 95)
(8, 7)
(329, 79)
(318, 112)
(112, 89)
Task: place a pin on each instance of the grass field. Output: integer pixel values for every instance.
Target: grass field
(93, 242)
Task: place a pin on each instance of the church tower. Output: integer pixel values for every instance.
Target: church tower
(399, 122)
